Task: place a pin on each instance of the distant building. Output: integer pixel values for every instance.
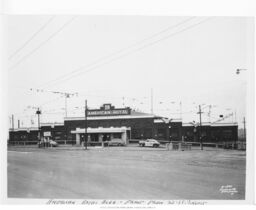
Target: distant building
(109, 122)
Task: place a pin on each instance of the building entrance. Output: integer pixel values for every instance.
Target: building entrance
(102, 134)
(94, 137)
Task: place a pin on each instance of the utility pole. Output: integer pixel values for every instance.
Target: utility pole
(66, 107)
(244, 129)
(85, 125)
(209, 114)
(123, 102)
(200, 135)
(65, 94)
(180, 110)
(38, 112)
(12, 122)
(18, 123)
(152, 109)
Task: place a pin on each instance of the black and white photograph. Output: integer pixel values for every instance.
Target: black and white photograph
(128, 109)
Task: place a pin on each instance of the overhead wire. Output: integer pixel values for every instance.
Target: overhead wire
(78, 93)
(119, 51)
(41, 44)
(32, 37)
(85, 94)
(137, 99)
(150, 44)
(126, 54)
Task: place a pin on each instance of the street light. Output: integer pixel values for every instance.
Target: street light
(38, 112)
(238, 70)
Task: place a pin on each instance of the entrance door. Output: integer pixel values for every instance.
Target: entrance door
(94, 137)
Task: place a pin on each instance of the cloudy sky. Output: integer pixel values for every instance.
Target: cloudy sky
(185, 61)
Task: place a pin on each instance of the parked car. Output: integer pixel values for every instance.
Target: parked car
(50, 143)
(116, 142)
(53, 143)
(149, 143)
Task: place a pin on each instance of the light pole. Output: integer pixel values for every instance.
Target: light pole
(38, 112)
(170, 137)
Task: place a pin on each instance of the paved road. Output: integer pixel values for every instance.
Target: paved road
(124, 173)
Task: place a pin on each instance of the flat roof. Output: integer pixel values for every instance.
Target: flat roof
(24, 129)
(211, 124)
(224, 124)
(133, 115)
(52, 124)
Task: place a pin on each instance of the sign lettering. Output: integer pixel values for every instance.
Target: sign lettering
(108, 110)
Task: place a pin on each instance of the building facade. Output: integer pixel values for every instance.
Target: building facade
(108, 122)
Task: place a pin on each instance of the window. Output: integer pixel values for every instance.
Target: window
(227, 134)
(117, 135)
(161, 132)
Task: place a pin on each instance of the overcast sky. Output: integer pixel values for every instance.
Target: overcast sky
(118, 59)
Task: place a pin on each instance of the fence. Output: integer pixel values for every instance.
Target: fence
(175, 144)
(13, 143)
(178, 146)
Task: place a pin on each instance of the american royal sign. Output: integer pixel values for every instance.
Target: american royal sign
(108, 110)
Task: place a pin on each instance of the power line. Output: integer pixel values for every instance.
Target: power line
(42, 104)
(30, 108)
(31, 38)
(83, 94)
(41, 44)
(119, 51)
(126, 54)
(37, 90)
(50, 101)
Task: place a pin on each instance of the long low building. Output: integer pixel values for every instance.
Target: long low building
(109, 122)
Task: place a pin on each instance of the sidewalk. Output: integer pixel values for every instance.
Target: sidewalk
(59, 147)
(73, 147)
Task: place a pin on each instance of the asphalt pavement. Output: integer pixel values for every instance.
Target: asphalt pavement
(125, 173)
